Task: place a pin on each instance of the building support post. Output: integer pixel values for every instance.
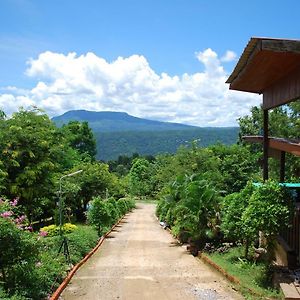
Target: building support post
(266, 144)
(282, 166)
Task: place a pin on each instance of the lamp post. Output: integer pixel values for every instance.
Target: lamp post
(64, 244)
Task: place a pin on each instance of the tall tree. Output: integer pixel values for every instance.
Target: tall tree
(28, 151)
(81, 138)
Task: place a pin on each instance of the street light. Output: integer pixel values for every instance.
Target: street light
(64, 244)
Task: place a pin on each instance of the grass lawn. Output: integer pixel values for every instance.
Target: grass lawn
(254, 276)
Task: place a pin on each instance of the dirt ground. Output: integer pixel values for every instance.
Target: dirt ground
(140, 260)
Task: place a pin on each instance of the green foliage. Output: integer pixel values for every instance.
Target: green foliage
(81, 138)
(233, 208)
(122, 206)
(53, 230)
(52, 268)
(269, 209)
(266, 208)
(94, 181)
(99, 215)
(34, 267)
(113, 209)
(283, 123)
(237, 166)
(227, 168)
(28, 140)
(81, 242)
(18, 254)
(255, 278)
(191, 205)
(110, 145)
(140, 178)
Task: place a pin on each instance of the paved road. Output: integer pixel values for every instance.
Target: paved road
(141, 261)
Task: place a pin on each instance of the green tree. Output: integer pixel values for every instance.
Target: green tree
(269, 210)
(99, 215)
(140, 178)
(29, 154)
(95, 180)
(233, 208)
(237, 165)
(81, 138)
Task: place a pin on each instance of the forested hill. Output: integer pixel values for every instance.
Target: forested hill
(111, 145)
(108, 121)
(121, 134)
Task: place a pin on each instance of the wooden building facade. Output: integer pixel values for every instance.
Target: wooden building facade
(271, 67)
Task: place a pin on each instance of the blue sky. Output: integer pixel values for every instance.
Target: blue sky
(172, 55)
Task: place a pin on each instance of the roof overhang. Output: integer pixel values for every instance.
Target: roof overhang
(264, 62)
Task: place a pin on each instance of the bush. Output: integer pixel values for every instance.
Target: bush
(122, 206)
(130, 203)
(266, 208)
(81, 242)
(99, 215)
(191, 206)
(51, 268)
(18, 254)
(113, 210)
(53, 230)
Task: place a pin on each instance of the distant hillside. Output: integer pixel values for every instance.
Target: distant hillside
(121, 134)
(111, 145)
(106, 121)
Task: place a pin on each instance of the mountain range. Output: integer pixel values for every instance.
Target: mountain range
(118, 133)
(109, 121)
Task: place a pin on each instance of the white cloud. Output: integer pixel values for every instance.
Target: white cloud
(66, 82)
(229, 56)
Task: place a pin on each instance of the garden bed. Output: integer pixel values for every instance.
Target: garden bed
(253, 279)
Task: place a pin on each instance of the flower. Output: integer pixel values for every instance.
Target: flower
(20, 219)
(6, 214)
(43, 233)
(14, 202)
(29, 228)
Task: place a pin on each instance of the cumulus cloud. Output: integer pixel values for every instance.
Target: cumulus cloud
(66, 82)
(229, 56)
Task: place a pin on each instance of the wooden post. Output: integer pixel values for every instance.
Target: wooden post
(282, 166)
(266, 144)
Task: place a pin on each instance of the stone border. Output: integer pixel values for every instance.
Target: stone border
(60, 289)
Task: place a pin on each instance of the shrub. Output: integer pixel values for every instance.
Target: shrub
(99, 215)
(113, 210)
(18, 255)
(122, 205)
(54, 230)
(268, 211)
(233, 207)
(191, 206)
(81, 242)
(266, 208)
(130, 203)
